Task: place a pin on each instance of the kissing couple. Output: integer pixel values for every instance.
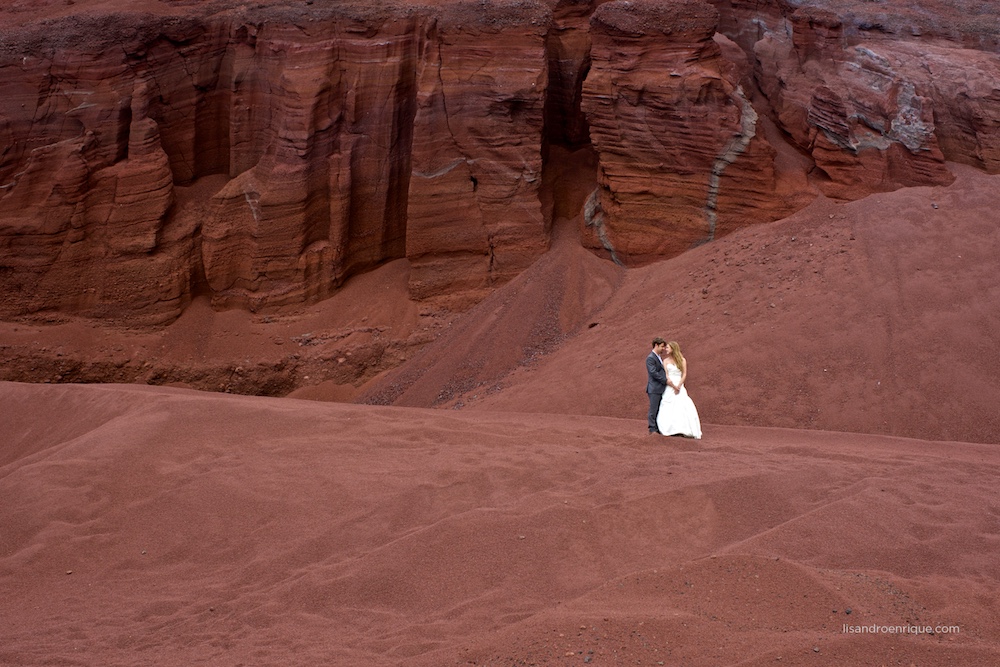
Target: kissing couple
(671, 410)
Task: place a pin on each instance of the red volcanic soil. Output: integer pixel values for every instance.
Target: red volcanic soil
(167, 527)
(840, 510)
(878, 316)
(539, 524)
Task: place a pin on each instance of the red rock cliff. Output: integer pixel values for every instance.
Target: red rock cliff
(262, 156)
(879, 95)
(682, 158)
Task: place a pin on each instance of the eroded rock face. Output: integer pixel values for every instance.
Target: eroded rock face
(880, 96)
(309, 116)
(86, 191)
(473, 213)
(262, 156)
(681, 155)
(319, 125)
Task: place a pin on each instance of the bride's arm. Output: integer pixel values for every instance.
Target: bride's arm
(684, 374)
(676, 388)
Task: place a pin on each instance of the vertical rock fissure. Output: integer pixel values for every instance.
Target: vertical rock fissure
(402, 159)
(566, 130)
(568, 61)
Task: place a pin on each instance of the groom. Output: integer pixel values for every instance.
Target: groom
(657, 382)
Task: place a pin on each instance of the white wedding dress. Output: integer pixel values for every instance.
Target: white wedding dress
(677, 415)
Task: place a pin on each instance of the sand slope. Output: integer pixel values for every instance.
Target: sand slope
(165, 526)
(876, 316)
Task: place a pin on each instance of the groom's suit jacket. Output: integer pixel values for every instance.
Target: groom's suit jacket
(657, 383)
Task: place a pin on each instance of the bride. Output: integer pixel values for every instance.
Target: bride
(677, 415)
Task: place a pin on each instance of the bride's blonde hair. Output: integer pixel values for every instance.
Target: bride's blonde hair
(675, 352)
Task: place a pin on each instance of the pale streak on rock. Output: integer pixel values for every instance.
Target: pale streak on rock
(593, 217)
(680, 160)
(443, 170)
(735, 148)
(254, 204)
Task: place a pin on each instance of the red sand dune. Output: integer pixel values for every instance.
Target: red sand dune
(158, 526)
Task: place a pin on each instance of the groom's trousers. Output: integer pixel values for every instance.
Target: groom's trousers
(654, 409)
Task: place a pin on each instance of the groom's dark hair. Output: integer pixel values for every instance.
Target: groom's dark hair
(658, 341)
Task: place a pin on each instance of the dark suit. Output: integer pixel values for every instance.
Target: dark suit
(655, 386)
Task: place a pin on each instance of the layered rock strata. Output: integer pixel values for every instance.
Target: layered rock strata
(473, 217)
(307, 116)
(681, 157)
(263, 155)
(880, 96)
